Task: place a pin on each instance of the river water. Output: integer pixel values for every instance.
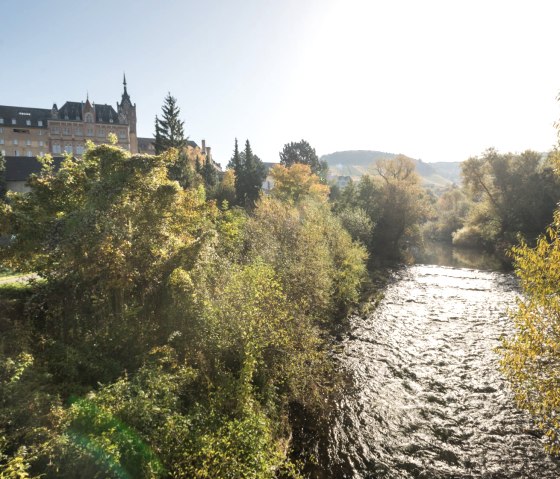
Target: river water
(428, 400)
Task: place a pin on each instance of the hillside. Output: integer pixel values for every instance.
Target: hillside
(356, 163)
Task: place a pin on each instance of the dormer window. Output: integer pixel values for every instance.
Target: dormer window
(66, 117)
(1, 121)
(13, 121)
(40, 123)
(89, 118)
(28, 122)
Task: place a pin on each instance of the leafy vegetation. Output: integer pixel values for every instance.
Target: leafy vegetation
(301, 152)
(391, 206)
(531, 357)
(169, 337)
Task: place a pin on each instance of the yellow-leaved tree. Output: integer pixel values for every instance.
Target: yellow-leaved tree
(531, 357)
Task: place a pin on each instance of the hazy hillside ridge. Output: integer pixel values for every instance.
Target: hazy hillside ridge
(355, 163)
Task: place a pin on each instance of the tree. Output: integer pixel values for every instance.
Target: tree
(236, 166)
(209, 173)
(3, 185)
(169, 129)
(302, 152)
(297, 182)
(513, 193)
(250, 173)
(531, 358)
(254, 173)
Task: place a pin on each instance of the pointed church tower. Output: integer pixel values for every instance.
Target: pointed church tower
(127, 114)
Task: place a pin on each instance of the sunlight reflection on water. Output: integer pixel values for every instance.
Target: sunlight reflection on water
(429, 400)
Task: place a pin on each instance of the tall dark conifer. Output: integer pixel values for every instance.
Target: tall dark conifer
(253, 177)
(236, 165)
(209, 173)
(169, 129)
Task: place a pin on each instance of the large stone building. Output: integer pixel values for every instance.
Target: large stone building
(35, 131)
(26, 133)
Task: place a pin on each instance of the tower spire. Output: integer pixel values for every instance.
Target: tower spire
(124, 82)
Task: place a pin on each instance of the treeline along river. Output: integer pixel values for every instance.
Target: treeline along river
(428, 399)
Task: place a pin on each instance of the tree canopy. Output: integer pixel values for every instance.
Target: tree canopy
(302, 152)
(250, 173)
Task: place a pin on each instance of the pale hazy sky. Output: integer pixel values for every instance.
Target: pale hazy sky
(436, 80)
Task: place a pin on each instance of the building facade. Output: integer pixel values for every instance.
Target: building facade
(32, 132)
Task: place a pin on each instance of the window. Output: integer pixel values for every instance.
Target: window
(13, 121)
(41, 153)
(29, 153)
(1, 121)
(79, 150)
(68, 148)
(3, 152)
(1, 141)
(78, 131)
(28, 122)
(66, 131)
(56, 148)
(89, 118)
(56, 130)
(14, 142)
(28, 142)
(40, 123)
(40, 132)
(41, 143)
(90, 131)
(122, 134)
(1, 130)
(16, 152)
(100, 133)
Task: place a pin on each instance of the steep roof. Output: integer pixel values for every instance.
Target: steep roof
(72, 110)
(19, 168)
(22, 115)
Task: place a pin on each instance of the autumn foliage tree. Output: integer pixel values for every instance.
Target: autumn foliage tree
(297, 181)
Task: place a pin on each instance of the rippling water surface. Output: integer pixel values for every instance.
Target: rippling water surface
(429, 400)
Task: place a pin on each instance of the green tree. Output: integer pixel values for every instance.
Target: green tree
(254, 173)
(250, 173)
(3, 185)
(169, 129)
(235, 164)
(209, 173)
(302, 152)
(513, 193)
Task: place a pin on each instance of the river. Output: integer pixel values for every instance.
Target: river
(428, 400)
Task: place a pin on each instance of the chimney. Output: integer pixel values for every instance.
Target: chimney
(209, 153)
(203, 147)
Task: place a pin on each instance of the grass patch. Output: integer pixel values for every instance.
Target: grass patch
(17, 290)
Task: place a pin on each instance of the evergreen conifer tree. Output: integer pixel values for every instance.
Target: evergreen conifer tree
(236, 164)
(169, 129)
(209, 173)
(254, 173)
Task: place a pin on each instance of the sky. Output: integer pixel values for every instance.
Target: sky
(435, 80)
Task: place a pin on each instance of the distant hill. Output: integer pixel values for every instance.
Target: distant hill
(355, 163)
